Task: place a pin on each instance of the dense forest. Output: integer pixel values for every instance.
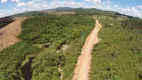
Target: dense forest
(29, 14)
(38, 32)
(11, 58)
(58, 31)
(118, 55)
(132, 23)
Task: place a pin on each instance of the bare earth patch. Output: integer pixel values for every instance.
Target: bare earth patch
(64, 13)
(82, 68)
(9, 33)
(59, 13)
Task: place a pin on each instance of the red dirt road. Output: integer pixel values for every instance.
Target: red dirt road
(9, 33)
(82, 68)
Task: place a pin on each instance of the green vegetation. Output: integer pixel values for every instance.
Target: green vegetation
(94, 11)
(54, 31)
(132, 23)
(29, 14)
(62, 9)
(11, 58)
(4, 22)
(53, 28)
(57, 30)
(118, 54)
(45, 66)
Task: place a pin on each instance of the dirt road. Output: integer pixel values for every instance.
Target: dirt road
(82, 68)
(9, 33)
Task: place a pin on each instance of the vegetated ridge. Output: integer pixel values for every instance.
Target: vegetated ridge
(117, 56)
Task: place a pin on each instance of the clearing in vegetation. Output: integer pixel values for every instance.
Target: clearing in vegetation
(9, 33)
(117, 56)
(81, 71)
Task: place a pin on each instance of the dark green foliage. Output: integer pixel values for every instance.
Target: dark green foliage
(5, 21)
(2, 24)
(132, 23)
(118, 55)
(81, 11)
(29, 14)
(57, 30)
(52, 28)
(94, 11)
(72, 56)
(11, 58)
(61, 9)
(45, 66)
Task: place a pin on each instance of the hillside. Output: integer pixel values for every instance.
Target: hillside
(5, 21)
(50, 45)
(78, 11)
(9, 33)
(29, 14)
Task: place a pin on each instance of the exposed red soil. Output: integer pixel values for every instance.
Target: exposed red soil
(59, 13)
(82, 68)
(9, 33)
(64, 13)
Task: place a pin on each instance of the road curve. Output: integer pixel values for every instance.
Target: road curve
(82, 68)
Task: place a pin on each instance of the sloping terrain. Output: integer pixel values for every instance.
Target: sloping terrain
(9, 33)
(5, 21)
(29, 14)
(117, 56)
(68, 11)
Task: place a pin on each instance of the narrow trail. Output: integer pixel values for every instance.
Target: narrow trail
(82, 68)
(9, 33)
(61, 72)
